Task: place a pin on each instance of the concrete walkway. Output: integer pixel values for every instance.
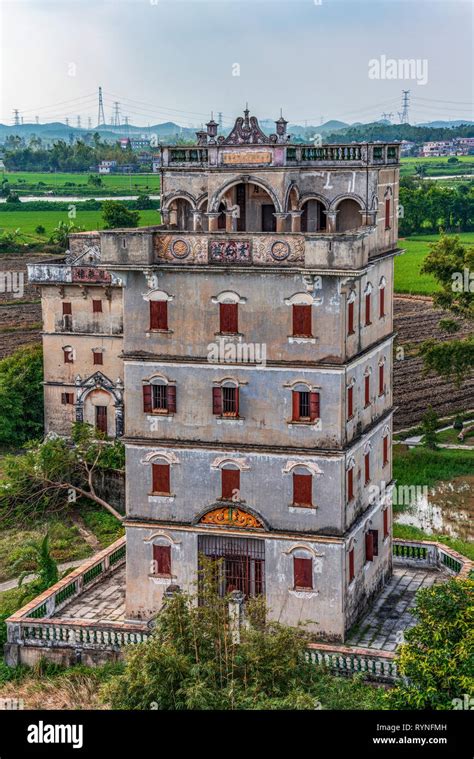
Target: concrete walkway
(383, 626)
(13, 583)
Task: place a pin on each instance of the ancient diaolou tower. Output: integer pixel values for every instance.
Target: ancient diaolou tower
(257, 348)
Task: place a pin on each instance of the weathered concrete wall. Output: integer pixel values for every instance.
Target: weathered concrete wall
(83, 319)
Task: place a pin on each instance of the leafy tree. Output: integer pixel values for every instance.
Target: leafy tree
(193, 661)
(61, 233)
(437, 660)
(143, 202)
(36, 558)
(116, 215)
(452, 264)
(21, 396)
(429, 425)
(94, 180)
(50, 474)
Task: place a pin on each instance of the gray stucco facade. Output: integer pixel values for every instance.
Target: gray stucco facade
(274, 233)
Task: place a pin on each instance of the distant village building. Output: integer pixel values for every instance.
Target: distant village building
(107, 167)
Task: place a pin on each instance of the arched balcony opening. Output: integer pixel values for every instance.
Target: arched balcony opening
(349, 215)
(313, 218)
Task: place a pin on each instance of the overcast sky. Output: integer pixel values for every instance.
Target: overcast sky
(175, 59)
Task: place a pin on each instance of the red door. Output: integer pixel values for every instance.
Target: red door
(101, 418)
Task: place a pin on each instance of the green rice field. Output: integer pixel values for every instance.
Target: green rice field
(27, 221)
(437, 167)
(407, 267)
(73, 183)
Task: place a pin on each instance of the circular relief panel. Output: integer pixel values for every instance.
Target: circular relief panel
(179, 248)
(280, 250)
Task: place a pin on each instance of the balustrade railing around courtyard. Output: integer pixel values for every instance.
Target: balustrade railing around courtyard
(36, 625)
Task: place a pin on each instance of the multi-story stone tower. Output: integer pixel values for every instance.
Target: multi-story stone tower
(257, 354)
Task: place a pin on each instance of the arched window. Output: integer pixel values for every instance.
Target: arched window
(306, 404)
(159, 396)
(302, 487)
(225, 399)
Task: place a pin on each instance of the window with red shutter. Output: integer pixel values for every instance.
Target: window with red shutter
(381, 380)
(230, 481)
(350, 318)
(67, 399)
(162, 560)
(303, 573)
(367, 467)
(217, 401)
(68, 354)
(98, 357)
(350, 402)
(382, 302)
(351, 565)
(302, 326)
(387, 213)
(385, 523)
(229, 318)
(302, 489)
(147, 402)
(368, 309)
(369, 546)
(385, 449)
(161, 478)
(159, 314)
(350, 484)
(367, 390)
(96, 306)
(375, 542)
(67, 309)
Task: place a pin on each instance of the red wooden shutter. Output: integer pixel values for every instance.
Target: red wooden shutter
(295, 405)
(350, 402)
(385, 450)
(68, 356)
(385, 523)
(381, 379)
(387, 213)
(229, 317)
(147, 404)
(302, 489)
(314, 406)
(67, 308)
(158, 314)
(230, 480)
(351, 565)
(350, 484)
(367, 467)
(350, 319)
(98, 357)
(367, 390)
(302, 321)
(96, 306)
(64, 398)
(161, 478)
(367, 308)
(369, 546)
(171, 398)
(217, 401)
(382, 302)
(303, 573)
(236, 395)
(162, 559)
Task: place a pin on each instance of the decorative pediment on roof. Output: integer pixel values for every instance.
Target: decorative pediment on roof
(246, 131)
(89, 255)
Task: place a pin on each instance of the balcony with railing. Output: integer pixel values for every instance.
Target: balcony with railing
(278, 155)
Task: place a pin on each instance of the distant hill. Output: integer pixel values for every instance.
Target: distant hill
(446, 124)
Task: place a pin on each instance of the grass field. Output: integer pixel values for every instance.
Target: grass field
(128, 183)
(407, 267)
(437, 167)
(27, 221)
